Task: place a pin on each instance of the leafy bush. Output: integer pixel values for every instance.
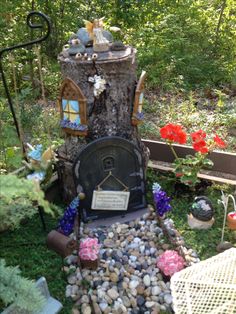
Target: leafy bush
(21, 291)
(18, 200)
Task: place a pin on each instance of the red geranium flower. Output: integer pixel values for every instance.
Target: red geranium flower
(173, 133)
(219, 141)
(197, 136)
(200, 146)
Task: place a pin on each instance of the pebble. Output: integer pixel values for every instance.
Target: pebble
(133, 284)
(86, 310)
(149, 304)
(126, 301)
(113, 294)
(140, 300)
(96, 308)
(156, 290)
(168, 299)
(114, 277)
(147, 280)
(103, 306)
(84, 299)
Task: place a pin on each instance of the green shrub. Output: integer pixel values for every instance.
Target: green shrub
(18, 200)
(21, 291)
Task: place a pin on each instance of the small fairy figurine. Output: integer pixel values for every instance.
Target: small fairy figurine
(40, 162)
(95, 30)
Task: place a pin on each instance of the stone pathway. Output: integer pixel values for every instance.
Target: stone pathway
(127, 279)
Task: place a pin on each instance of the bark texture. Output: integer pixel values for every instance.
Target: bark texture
(110, 113)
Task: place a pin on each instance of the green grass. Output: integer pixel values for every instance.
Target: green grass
(26, 247)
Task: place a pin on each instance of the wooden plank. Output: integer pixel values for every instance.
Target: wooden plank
(223, 161)
(155, 165)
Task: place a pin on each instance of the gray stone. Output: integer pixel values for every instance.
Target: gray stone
(140, 300)
(103, 306)
(126, 301)
(113, 294)
(84, 299)
(96, 308)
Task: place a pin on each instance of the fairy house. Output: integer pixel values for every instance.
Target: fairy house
(101, 105)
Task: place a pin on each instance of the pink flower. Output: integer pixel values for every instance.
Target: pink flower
(89, 249)
(170, 262)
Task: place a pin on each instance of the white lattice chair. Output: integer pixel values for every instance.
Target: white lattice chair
(208, 287)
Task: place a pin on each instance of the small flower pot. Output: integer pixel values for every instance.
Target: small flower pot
(231, 220)
(89, 264)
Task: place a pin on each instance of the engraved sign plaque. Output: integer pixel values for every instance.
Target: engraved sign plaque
(110, 200)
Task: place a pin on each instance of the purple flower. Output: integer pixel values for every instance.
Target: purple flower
(162, 201)
(66, 223)
(66, 123)
(139, 115)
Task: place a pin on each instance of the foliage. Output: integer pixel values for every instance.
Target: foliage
(26, 247)
(21, 291)
(18, 200)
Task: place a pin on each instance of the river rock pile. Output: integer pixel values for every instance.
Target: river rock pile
(127, 279)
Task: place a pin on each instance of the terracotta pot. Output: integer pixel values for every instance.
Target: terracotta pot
(89, 264)
(231, 220)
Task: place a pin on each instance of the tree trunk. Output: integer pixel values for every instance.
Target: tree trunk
(109, 114)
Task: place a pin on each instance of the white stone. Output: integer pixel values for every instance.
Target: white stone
(101, 293)
(156, 290)
(110, 235)
(133, 258)
(137, 240)
(147, 280)
(168, 298)
(142, 249)
(149, 304)
(153, 250)
(71, 279)
(133, 292)
(133, 284)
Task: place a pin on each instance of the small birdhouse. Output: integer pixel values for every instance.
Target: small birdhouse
(137, 116)
(72, 105)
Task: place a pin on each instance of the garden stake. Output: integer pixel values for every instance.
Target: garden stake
(17, 105)
(224, 245)
(29, 43)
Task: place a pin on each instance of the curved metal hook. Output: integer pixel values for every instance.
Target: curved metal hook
(35, 41)
(29, 43)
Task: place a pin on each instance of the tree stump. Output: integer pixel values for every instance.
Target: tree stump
(107, 115)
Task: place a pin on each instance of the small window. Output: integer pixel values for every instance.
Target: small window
(137, 115)
(73, 108)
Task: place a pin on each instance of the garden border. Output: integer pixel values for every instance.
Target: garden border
(224, 162)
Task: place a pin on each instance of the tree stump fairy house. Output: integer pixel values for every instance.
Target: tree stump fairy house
(101, 105)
